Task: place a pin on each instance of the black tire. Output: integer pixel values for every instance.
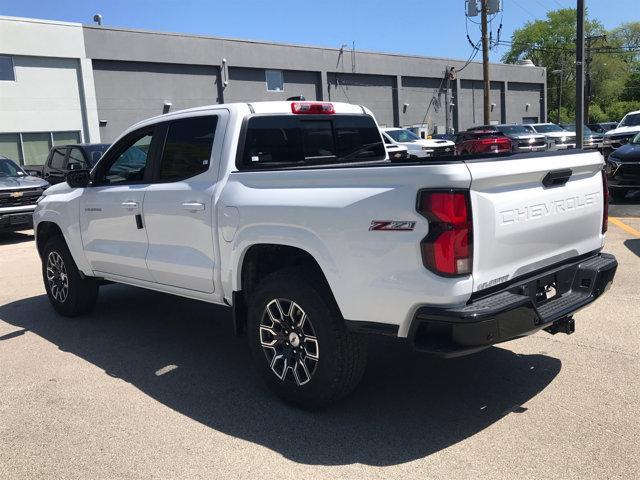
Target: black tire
(342, 355)
(618, 193)
(59, 270)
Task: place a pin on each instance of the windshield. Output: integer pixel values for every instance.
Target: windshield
(635, 140)
(572, 128)
(630, 120)
(8, 168)
(402, 135)
(548, 128)
(513, 129)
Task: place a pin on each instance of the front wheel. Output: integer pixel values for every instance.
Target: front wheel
(69, 293)
(300, 343)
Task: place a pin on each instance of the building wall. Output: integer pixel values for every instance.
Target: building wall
(425, 101)
(249, 84)
(52, 91)
(128, 92)
(525, 100)
(471, 100)
(373, 91)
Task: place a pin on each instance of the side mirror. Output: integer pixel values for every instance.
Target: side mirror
(78, 178)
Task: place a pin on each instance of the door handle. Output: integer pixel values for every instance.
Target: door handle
(193, 206)
(129, 205)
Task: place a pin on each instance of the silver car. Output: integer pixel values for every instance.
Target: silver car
(557, 137)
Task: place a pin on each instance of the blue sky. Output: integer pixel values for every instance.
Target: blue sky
(418, 27)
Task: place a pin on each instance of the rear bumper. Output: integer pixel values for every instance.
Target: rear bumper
(513, 311)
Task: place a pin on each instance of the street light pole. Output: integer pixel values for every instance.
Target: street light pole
(580, 74)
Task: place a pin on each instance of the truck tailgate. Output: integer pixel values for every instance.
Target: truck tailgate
(520, 225)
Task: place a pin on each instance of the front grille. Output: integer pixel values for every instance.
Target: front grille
(619, 140)
(628, 169)
(442, 151)
(536, 144)
(19, 197)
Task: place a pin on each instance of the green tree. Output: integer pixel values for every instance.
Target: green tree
(614, 67)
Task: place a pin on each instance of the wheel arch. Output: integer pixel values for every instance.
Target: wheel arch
(260, 260)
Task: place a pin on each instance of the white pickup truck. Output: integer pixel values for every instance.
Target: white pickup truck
(291, 214)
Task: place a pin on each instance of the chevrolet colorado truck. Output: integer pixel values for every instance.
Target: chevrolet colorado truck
(291, 214)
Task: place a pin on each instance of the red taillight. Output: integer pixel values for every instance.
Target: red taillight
(448, 248)
(495, 141)
(605, 199)
(312, 108)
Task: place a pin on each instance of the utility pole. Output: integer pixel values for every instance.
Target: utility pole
(587, 74)
(485, 62)
(580, 75)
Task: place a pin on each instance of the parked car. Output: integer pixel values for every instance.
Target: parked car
(557, 137)
(474, 142)
(603, 127)
(18, 195)
(64, 158)
(623, 168)
(522, 138)
(291, 214)
(418, 147)
(591, 139)
(396, 152)
(628, 128)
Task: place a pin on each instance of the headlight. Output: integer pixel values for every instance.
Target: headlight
(607, 140)
(560, 140)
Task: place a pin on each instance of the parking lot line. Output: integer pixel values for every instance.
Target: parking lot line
(620, 224)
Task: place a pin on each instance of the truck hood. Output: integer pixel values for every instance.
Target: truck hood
(527, 136)
(61, 187)
(567, 135)
(627, 153)
(435, 143)
(622, 130)
(17, 183)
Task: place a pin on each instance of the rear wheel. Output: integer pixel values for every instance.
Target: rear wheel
(69, 293)
(300, 343)
(618, 193)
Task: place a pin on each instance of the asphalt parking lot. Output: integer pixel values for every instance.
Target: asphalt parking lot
(154, 386)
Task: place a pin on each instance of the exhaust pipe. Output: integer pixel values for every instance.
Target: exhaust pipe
(564, 325)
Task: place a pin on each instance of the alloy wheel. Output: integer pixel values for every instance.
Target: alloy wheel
(57, 277)
(289, 341)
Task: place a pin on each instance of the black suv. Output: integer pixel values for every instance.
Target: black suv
(63, 158)
(623, 168)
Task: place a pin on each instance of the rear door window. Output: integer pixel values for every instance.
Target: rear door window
(288, 140)
(57, 158)
(187, 148)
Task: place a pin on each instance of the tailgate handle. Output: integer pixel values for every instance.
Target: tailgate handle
(557, 178)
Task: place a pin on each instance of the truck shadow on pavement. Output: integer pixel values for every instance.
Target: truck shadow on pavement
(633, 244)
(408, 406)
(9, 238)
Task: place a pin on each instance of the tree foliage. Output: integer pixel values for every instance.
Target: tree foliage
(614, 67)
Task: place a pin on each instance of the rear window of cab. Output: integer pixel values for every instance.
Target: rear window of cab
(273, 141)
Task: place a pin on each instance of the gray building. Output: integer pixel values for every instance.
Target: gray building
(121, 76)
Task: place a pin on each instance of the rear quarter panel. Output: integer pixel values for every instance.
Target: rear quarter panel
(375, 276)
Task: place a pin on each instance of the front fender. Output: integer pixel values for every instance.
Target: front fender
(63, 209)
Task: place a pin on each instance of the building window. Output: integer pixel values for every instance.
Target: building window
(275, 80)
(7, 72)
(10, 147)
(32, 148)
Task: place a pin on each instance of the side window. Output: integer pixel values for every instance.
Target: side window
(129, 165)
(57, 158)
(76, 159)
(187, 148)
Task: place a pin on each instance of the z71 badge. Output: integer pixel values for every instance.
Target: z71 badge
(392, 225)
